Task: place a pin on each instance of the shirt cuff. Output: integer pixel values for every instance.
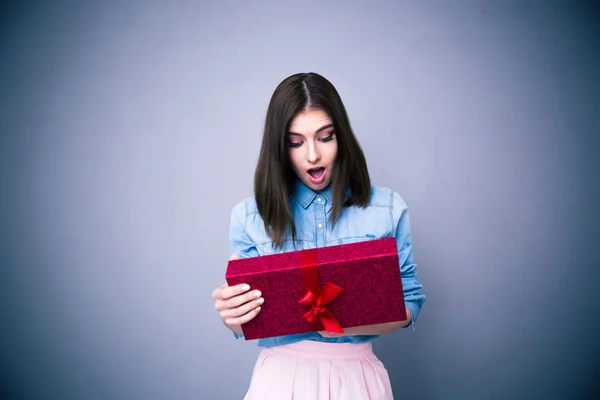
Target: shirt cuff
(414, 310)
(238, 335)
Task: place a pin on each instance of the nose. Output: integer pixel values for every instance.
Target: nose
(313, 154)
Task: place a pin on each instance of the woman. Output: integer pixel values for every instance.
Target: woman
(312, 189)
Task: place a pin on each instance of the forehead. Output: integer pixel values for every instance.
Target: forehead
(309, 122)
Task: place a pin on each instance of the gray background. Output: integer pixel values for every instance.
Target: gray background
(129, 130)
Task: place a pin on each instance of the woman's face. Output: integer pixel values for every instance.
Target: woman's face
(313, 147)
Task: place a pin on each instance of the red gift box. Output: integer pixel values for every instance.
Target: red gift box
(328, 288)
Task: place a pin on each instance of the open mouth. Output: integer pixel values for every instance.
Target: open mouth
(317, 174)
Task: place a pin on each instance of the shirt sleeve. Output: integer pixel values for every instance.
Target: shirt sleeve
(239, 240)
(413, 296)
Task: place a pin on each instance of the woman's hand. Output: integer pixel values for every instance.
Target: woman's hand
(236, 304)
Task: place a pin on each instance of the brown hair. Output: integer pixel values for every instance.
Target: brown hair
(274, 178)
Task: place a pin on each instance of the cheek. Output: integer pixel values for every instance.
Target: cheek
(295, 159)
(332, 153)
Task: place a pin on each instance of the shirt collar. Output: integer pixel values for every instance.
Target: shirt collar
(306, 195)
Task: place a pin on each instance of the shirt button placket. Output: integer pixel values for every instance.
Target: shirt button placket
(320, 221)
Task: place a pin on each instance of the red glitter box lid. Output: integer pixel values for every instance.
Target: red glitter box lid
(368, 272)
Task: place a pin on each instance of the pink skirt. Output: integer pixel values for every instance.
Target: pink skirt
(309, 370)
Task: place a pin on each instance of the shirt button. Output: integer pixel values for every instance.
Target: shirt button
(319, 199)
(320, 225)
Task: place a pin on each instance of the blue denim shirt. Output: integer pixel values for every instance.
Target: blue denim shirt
(385, 216)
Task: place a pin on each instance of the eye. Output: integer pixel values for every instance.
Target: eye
(295, 144)
(327, 138)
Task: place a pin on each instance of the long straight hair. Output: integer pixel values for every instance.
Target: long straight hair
(274, 178)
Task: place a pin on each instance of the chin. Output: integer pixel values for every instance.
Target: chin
(318, 187)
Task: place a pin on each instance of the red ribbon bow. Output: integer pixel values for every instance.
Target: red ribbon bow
(316, 297)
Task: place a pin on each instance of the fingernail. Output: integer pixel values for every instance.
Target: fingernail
(257, 309)
(257, 293)
(260, 301)
(245, 288)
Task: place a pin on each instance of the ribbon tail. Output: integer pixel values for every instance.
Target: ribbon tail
(330, 323)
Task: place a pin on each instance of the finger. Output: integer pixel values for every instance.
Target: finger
(234, 302)
(233, 291)
(219, 293)
(242, 310)
(244, 318)
(216, 294)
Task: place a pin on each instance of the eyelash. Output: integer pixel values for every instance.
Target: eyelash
(322, 140)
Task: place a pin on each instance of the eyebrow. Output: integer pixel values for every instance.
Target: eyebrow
(321, 129)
